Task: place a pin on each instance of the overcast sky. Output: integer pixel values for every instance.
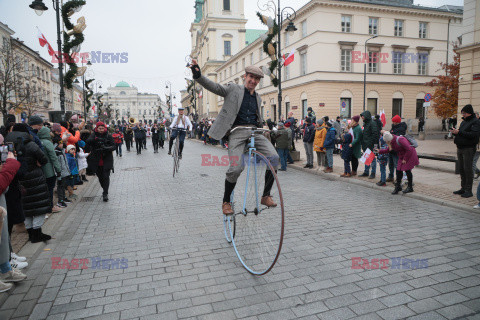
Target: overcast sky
(154, 33)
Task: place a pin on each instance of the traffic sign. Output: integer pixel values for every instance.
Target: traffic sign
(426, 104)
(428, 97)
(344, 104)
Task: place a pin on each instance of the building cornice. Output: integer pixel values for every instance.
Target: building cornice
(468, 48)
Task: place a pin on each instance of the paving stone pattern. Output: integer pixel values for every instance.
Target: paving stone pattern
(181, 267)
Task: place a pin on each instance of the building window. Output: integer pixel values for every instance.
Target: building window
(227, 48)
(346, 107)
(303, 64)
(422, 64)
(38, 72)
(304, 108)
(287, 107)
(398, 31)
(260, 53)
(346, 23)
(346, 60)
(304, 28)
(373, 26)
(236, 68)
(251, 58)
(397, 107)
(287, 72)
(398, 62)
(226, 5)
(373, 62)
(422, 30)
(230, 70)
(372, 105)
(243, 64)
(420, 110)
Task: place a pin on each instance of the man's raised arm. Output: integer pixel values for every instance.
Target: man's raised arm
(208, 84)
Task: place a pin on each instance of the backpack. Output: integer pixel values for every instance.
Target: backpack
(413, 142)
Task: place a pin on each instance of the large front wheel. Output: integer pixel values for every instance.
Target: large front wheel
(258, 229)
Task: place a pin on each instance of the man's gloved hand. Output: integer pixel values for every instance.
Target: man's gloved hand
(195, 69)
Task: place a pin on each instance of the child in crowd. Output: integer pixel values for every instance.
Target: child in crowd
(329, 146)
(82, 161)
(64, 173)
(383, 161)
(72, 165)
(347, 154)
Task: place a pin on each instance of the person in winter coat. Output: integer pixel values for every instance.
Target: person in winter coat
(320, 134)
(356, 144)
(370, 138)
(36, 200)
(101, 146)
(329, 146)
(155, 137)
(72, 165)
(140, 136)
(7, 274)
(69, 133)
(311, 114)
(118, 139)
(407, 159)
(65, 176)
(347, 155)
(399, 128)
(128, 137)
(308, 138)
(82, 161)
(51, 169)
(283, 140)
(161, 134)
(293, 127)
(466, 140)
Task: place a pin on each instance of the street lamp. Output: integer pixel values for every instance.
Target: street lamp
(365, 70)
(39, 8)
(290, 14)
(168, 85)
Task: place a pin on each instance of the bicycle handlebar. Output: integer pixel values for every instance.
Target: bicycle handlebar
(251, 128)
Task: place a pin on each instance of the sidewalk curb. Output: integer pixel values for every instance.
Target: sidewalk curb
(336, 177)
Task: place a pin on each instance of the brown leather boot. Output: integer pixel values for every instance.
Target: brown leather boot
(354, 173)
(343, 175)
(227, 208)
(268, 201)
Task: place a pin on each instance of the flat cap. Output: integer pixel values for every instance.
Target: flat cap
(256, 71)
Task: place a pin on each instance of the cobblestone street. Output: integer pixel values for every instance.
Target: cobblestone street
(180, 266)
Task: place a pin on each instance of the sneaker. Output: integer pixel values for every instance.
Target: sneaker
(61, 205)
(18, 264)
(12, 276)
(56, 209)
(5, 286)
(67, 200)
(381, 184)
(477, 206)
(17, 257)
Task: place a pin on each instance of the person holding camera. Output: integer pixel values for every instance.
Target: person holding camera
(100, 145)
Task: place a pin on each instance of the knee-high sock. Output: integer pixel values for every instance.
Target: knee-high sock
(180, 149)
(170, 144)
(228, 190)
(268, 182)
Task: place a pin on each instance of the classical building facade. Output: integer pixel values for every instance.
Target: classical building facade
(132, 104)
(469, 86)
(329, 46)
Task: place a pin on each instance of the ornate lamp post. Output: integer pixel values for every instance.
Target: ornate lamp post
(287, 13)
(365, 71)
(168, 85)
(39, 8)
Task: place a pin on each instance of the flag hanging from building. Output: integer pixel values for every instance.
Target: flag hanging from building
(43, 41)
(289, 59)
(367, 157)
(93, 108)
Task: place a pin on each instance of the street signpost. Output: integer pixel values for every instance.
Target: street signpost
(426, 104)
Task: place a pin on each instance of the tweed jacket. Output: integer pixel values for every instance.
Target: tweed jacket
(233, 94)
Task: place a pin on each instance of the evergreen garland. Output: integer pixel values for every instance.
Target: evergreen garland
(273, 65)
(67, 44)
(89, 94)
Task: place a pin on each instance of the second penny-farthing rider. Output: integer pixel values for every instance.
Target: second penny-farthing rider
(241, 108)
(179, 122)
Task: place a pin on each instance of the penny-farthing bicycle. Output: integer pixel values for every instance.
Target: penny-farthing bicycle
(176, 146)
(256, 231)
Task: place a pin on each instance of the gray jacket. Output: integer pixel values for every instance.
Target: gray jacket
(233, 94)
(338, 128)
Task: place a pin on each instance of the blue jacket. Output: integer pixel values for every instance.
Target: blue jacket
(330, 139)
(347, 151)
(72, 163)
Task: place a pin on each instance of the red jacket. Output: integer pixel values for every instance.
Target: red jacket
(117, 138)
(8, 172)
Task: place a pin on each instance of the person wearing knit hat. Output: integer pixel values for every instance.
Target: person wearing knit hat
(356, 144)
(399, 128)
(329, 145)
(407, 159)
(466, 140)
(35, 122)
(100, 145)
(308, 139)
(320, 134)
(56, 128)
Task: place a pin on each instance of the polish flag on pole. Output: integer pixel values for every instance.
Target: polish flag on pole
(289, 59)
(93, 108)
(43, 41)
(383, 118)
(367, 157)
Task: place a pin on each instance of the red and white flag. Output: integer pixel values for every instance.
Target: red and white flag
(383, 118)
(79, 97)
(289, 59)
(367, 157)
(200, 95)
(93, 108)
(43, 41)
